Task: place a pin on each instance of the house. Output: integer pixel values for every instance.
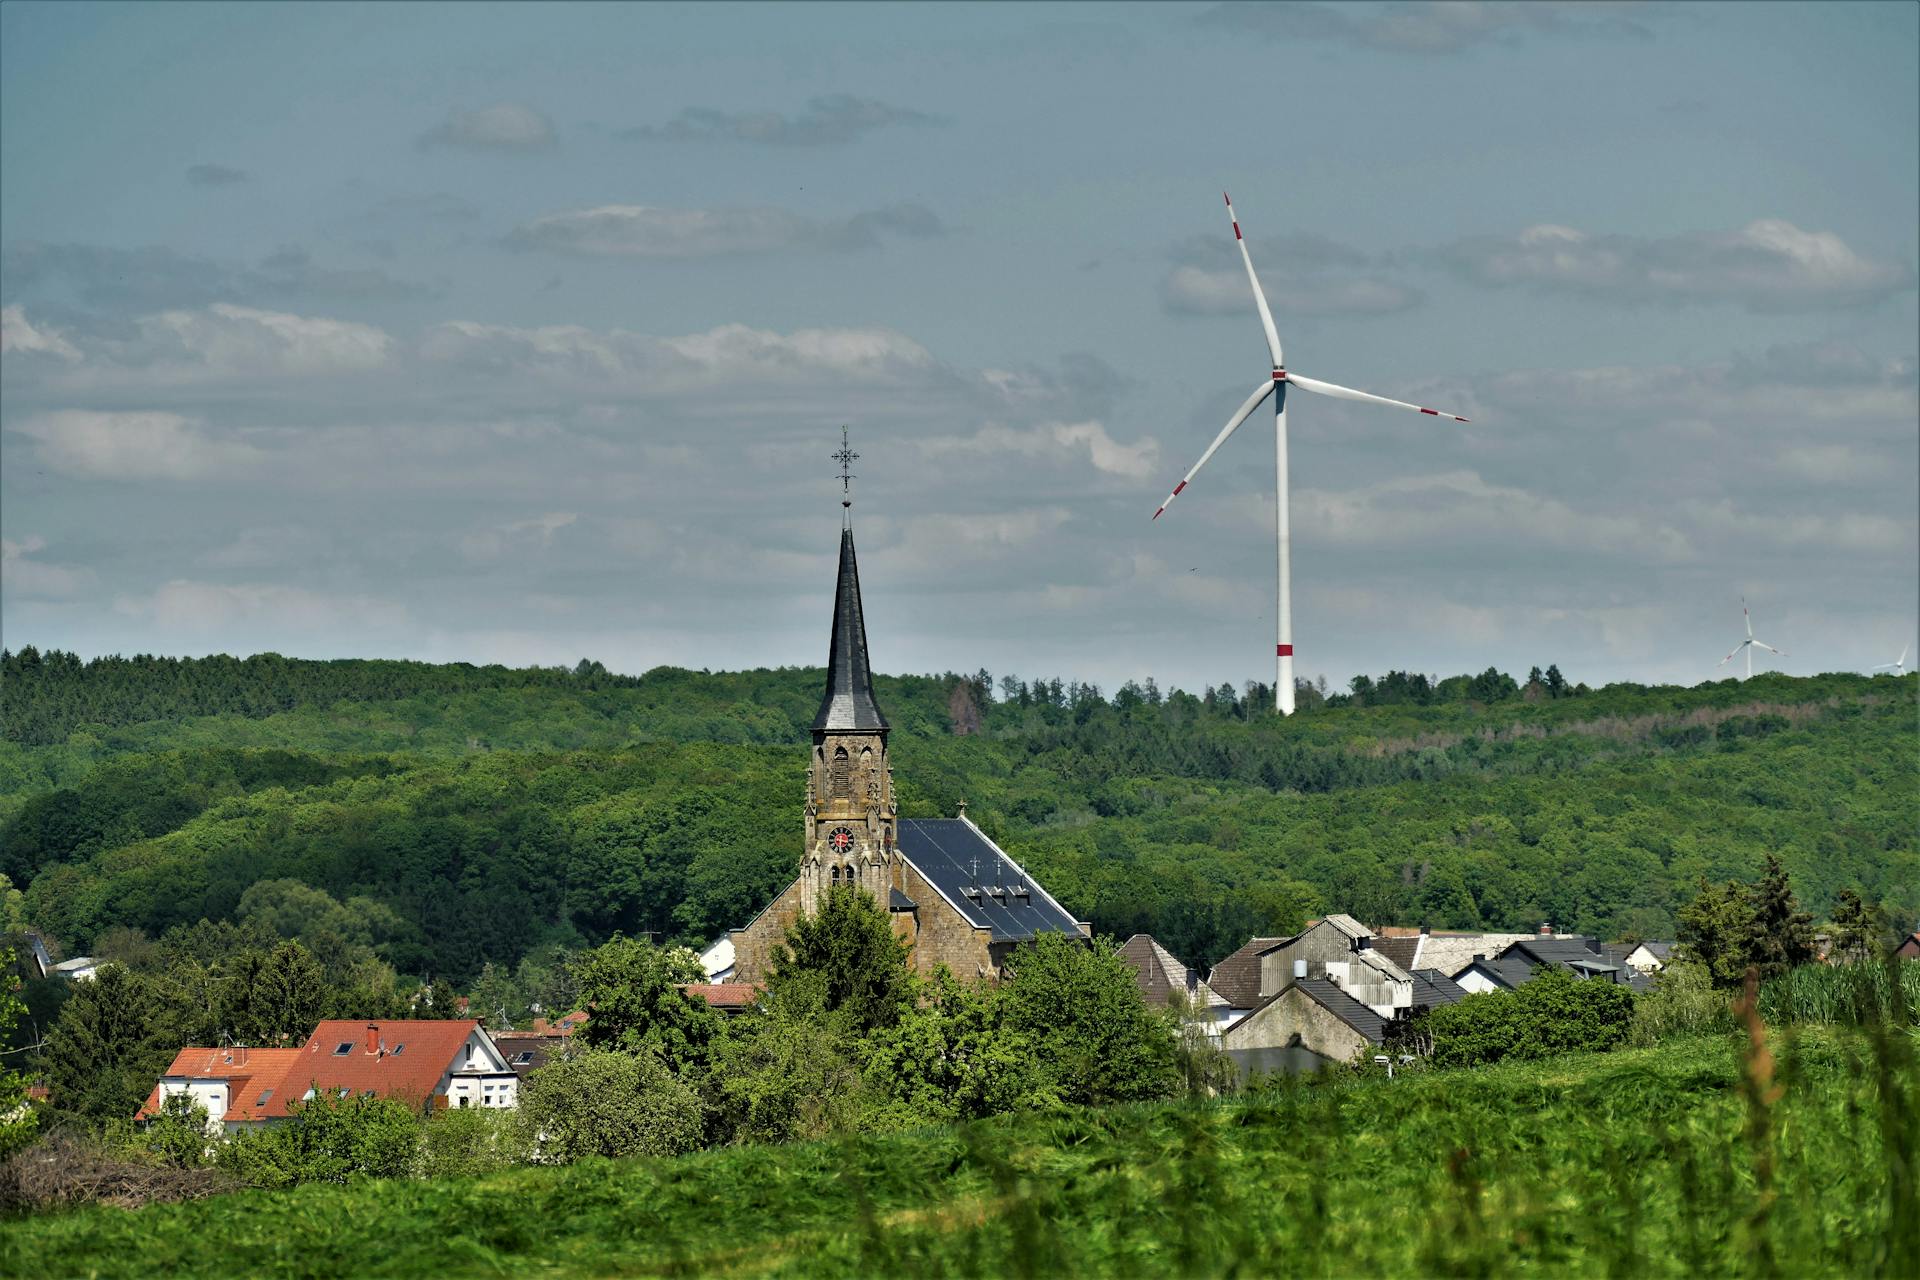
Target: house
(78, 969)
(565, 1025)
(1433, 989)
(1236, 979)
(1163, 980)
(1342, 950)
(954, 896)
(429, 1064)
(1519, 962)
(235, 1084)
(717, 959)
(1446, 950)
(729, 998)
(1909, 948)
(528, 1051)
(1649, 957)
(1309, 1024)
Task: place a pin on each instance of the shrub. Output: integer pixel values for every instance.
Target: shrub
(601, 1103)
(326, 1140)
(1095, 1039)
(464, 1142)
(1553, 1013)
(178, 1135)
(1683, 1002)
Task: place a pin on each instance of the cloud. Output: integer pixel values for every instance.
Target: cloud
(153, 277)
(214, 175)
(131, 446)
(829, 120)
(1426, 26)
(1769, 265)
(1055, 441)
(643, 231)
(504, 126)
(19, 337)
(1301, 275)
(208, 608)
(25, 576)
(491, 544)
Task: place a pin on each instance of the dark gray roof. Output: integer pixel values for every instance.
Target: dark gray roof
(1236, 978)
(848, 702)
(898, 901)
(1509, 968)
(966, 868)
(1399, 950)
(1432, 988)
(1344, 1007)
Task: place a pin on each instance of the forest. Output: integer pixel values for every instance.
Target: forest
(451, 817)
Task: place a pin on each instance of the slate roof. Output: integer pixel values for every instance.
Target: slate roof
(967, 868)
(1432, 989)
(1506, 969)
(1236, 979)
(411, 1055)
(527, 1051)
(1330, 997)
(1399, 949)
(1519, 961)
(1161, 975)
(1661, 951)
(248, 1072)
(848, 702)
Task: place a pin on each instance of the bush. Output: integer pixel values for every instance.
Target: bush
(178, 1135)
(1683, 1002)
(464, 1142)
(326, 1140)
(66, 1168)
(1079, 1004)
(1553, 1013)
(601, 1103)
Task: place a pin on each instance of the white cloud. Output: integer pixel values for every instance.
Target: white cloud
(18, 337)
(26, 576)
(208, 608)
(504, 126)
(1225, 291)
(132, 446)
(1055, 441)
(1768, 265)
(645, 231)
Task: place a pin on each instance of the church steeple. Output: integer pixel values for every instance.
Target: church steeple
(848, 704)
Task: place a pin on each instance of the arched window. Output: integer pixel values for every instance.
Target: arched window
(850, 879)
(836, 875)
(839, 779)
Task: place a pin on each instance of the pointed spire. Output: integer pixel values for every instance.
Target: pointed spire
(849, 704)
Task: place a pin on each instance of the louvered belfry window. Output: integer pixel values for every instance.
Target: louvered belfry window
(840, 777)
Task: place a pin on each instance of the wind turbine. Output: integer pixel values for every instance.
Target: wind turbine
(1749, 643)
(1899, 665)
(1276, 386)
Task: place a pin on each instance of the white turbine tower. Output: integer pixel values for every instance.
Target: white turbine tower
(1899, 665)
(1276, 386)
(1748, 645)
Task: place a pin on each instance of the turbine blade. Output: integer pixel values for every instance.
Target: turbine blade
(1903, 654)
(1736, 652)
(1259, 294)
(1747, 616)
(1769, 648)
(1260, 393)
(1348, 393)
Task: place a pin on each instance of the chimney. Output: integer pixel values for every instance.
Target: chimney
(1593, 945)
(1426, 931)
(1480, 957)
(1363, 944)
(963, 808)
(1546, 930)
(373, 1037)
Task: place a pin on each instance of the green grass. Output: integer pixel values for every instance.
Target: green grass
(1642, 1163)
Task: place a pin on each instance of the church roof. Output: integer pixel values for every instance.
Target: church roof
(980, 881)
(848, 702)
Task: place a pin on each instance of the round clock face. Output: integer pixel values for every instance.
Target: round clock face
(840, 839)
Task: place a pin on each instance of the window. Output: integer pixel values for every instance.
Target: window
(840, 777)
(396, 1050)
(523, 1057)
(344, 1048)
(263, 1098)
(836, 875)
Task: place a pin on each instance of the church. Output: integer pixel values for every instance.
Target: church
(952, 893)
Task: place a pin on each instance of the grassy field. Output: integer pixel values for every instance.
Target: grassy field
(1676, 1161)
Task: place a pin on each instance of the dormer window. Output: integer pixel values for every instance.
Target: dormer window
(342, 1049)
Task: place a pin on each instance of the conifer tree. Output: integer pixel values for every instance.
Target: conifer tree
(107, 1049)
(1782, 932)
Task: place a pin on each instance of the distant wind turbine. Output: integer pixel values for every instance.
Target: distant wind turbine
(1748, 645)
(1276, 386)
(1899, 665)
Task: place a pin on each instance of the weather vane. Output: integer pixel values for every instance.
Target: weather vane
(845, 458)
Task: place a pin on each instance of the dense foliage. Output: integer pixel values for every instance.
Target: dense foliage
(462, 816)
(1554, 1013)
(1643, 1163)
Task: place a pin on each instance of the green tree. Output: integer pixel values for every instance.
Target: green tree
(850, 944)
(17, 1119)
(788, 1073)
(108, 1047)
(1782, 932)
(632, 991)
(441, 1002)
(601, 1103)
(952, 1057)
(1717, 930)
(178, 1135)
(1552, 1013)
(1859, 927)
(465, 1142)
(327, 1139)
(290, 994)
(494, 1000)
(1078, 1003)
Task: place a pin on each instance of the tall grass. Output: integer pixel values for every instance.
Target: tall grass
(1852, 995)
(1717, 1156)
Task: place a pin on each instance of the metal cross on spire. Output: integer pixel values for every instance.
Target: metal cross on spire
(845, 458)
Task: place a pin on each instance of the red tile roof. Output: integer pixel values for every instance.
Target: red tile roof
(406, 1060)
(725, 995)
(249, 1072)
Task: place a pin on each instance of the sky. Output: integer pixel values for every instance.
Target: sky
(524, 334)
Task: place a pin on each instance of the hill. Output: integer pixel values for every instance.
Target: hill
(1446, 1173)
(494, 810)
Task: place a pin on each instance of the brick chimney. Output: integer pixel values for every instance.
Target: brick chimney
(373, 1037)
(1546, 930)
